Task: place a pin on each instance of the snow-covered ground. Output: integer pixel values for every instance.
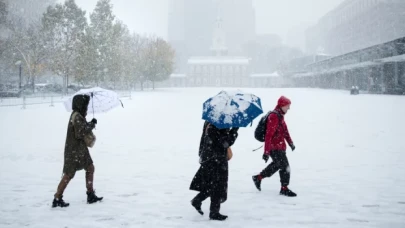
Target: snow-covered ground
(348, 167)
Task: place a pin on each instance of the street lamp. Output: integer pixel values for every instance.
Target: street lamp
(18, 63)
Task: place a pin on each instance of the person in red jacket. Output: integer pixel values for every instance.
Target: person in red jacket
(275, 147)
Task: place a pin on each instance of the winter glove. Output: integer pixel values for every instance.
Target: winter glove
(94, 121)
(265, 157)
(292, 147)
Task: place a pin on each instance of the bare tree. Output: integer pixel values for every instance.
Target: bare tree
(3, 23)
(3, 12)
(28, 44)
(126, 55)
(138, 64)
(64, 26)
(158, 60)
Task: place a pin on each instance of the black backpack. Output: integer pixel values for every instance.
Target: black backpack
(260, 132)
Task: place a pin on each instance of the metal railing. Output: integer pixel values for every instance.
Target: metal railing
(43, 98)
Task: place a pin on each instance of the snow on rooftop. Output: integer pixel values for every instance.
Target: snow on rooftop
(219, 60)
(398, 58)
(307, 74)
(178, 75)
(274, 74)
(337, 69)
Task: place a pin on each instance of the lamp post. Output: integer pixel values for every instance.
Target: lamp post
(141, 77)
(18, 63)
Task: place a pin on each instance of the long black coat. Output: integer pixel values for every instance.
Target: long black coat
(212, 176)
(77, 155)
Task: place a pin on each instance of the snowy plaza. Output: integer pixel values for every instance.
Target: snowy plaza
(348, 167)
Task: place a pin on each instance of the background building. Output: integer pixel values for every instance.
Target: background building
(357, 24)
(376, 69)
(221, 69)
(191, 23)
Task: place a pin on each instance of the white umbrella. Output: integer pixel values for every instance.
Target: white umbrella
(101, 100)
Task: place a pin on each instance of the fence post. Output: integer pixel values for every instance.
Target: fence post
(51, 102)
(24, 102)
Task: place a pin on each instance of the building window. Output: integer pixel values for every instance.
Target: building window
(237, 70)
(229, 71)
(205, 70)
(223, 71)
(212, 71)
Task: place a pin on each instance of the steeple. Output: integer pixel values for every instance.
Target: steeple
(218, 47)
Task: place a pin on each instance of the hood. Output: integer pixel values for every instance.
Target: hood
(80, 103)
(282, 101)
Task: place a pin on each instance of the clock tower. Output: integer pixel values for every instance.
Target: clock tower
(218, 47)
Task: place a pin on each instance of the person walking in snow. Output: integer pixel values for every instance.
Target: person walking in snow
(211, 179)
(77, 156)
(275, 147)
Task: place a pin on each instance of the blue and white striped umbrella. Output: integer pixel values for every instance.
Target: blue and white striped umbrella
(232, 109)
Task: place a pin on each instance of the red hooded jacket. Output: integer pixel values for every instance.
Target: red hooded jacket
(277, 133)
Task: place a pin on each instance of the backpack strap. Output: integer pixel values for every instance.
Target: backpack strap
(279, 123)
(72, 118)
(279, 119)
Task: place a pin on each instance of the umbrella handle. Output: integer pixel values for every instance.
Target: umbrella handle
(257, 149)
(92, 103)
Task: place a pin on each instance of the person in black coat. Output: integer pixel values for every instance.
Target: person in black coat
(211, 179)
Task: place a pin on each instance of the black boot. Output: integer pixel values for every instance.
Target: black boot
(197, 201)
(287, 192)
(257, 182)
(59, 203)
(217, 216)
(197, 206)
(92, 198)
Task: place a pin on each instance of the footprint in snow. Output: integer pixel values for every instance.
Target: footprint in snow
(317, 223)
(105, 219)
(375, 205)
(290, 204)
(356, 220)
(128, 195)
(174, 217)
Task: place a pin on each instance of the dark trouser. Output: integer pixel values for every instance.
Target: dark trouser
(215, 201)
(280, 162)
(66, 179)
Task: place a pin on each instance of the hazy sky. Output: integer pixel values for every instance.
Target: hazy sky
(287, 18)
